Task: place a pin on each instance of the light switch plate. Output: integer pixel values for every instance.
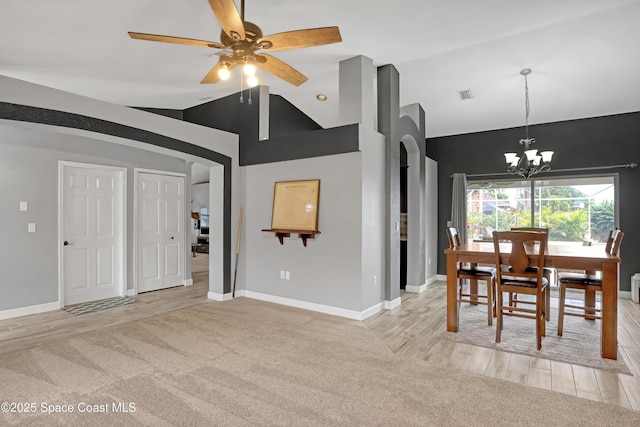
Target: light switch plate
(32, 227)
(24, 206)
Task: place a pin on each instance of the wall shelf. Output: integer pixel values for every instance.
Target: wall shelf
(282, 233)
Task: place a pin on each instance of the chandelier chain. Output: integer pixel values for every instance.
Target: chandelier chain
(526, 107)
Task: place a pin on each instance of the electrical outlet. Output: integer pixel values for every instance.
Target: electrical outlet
(282, 274)
(375, 280)
(287, 275)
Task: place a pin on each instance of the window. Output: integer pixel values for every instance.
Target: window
(204, 221)
(574, 209)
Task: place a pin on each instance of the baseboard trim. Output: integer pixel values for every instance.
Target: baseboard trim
(389, 305)
(416, 289)
(188, 282)
(335, 311)
(33, 309)
(131, 293)
(442, 277)
(624, 294)
(219, 297)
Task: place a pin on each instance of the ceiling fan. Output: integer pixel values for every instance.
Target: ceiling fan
(243, 39)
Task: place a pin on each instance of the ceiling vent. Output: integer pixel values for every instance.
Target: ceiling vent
(465, 94)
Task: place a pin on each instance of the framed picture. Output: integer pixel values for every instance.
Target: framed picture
(295, 205)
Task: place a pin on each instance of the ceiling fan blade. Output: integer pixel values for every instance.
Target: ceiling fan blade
(212, 75)
(280, 69)
(228, 17)
(176, 40)
(300, 38)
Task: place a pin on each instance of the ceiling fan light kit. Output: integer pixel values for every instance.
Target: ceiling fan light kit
(244, 39)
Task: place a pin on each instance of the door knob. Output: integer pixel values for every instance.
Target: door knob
(66, 243)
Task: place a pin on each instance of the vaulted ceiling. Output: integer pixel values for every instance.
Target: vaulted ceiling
(583, 54)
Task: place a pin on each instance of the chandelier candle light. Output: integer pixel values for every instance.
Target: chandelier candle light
(531, 163)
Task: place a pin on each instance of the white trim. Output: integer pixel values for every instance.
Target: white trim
(389, 305)
(131, 292)
(371, 311)
(62, 164)
(336, 311)
(431, 280)
(33, 309)
(442, 277)
(219, 297)
(416, 289)
(624, 294)
(187, 282)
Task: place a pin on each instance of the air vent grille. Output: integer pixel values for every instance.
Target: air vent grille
(465, 94)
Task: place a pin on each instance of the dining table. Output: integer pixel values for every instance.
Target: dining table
(560, 255)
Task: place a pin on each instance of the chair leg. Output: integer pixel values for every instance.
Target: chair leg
(547, 303)
(490, 301)
(589, 304)
(499, 314)
(563, 293)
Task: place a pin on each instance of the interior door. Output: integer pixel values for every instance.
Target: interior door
(92, 233)
(160, 229)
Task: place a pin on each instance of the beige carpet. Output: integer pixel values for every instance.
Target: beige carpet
(246, 362)
(579, 343)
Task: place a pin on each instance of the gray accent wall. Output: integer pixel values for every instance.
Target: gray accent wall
(598, 141)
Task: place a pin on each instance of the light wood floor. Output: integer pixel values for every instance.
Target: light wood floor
(414, 329)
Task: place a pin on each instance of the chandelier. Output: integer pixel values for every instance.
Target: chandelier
(530, 163)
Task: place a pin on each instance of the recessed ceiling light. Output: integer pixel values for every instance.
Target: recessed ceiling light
(321, 97)
(465, 94)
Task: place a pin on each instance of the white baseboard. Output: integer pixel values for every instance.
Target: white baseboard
(442, 277)
(219, 297)
(188, 282)
(624, 294)
(415, 288)
(431, 280)
(131, 292)
(388, 305)
(33, 309)
(336, 311)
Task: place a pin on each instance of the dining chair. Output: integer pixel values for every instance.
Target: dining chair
(547, 272)
(520, 271)
(472, 272)
(590, 282)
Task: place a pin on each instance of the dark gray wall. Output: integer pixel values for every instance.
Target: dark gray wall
(296, 137)
(599, 141)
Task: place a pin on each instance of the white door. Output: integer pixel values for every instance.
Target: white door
(160, 229)
(92, 233)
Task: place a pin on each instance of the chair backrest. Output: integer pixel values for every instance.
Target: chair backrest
(616, 239)
(525, 246)
(539, 229)
(615, 236)
(454, 238)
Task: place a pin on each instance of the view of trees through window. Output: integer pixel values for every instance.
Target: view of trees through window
(574, 210)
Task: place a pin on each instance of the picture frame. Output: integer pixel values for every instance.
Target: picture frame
(295, 205)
